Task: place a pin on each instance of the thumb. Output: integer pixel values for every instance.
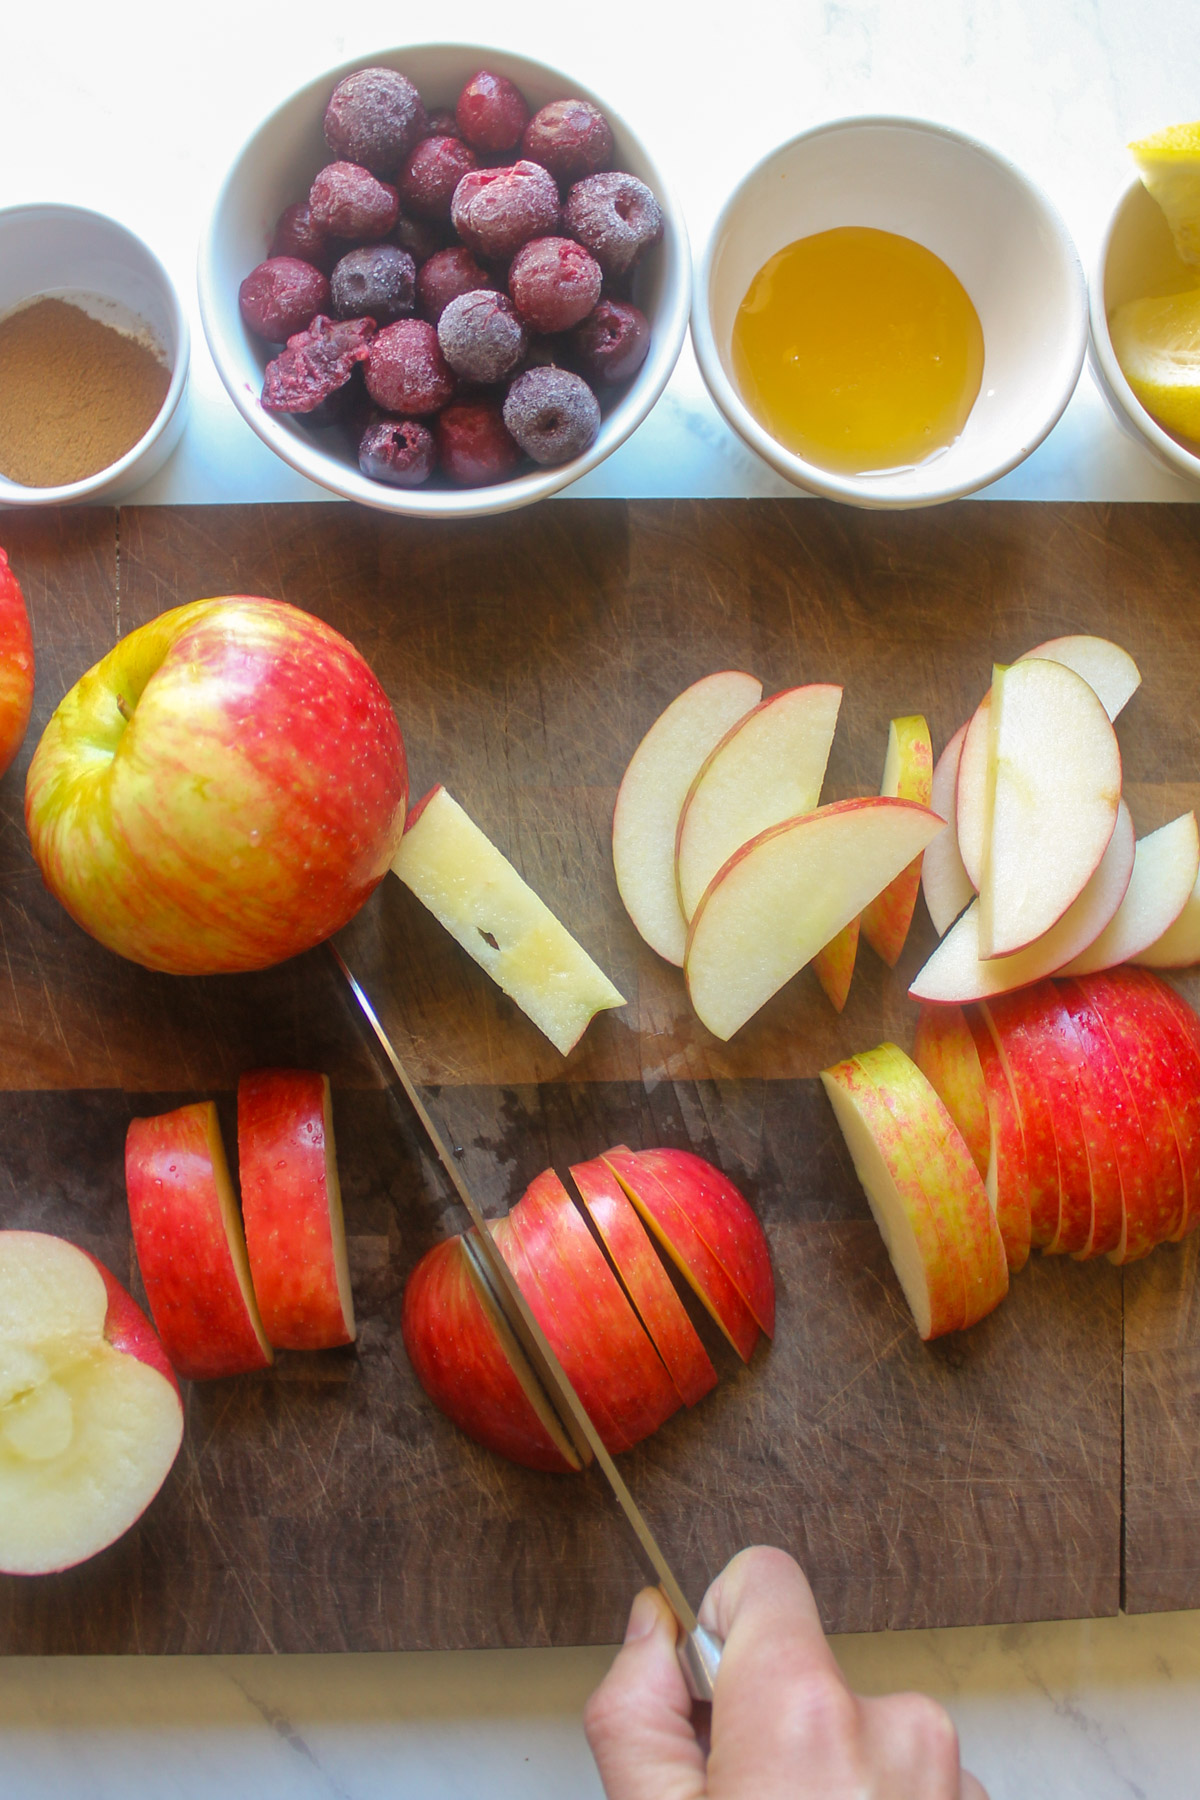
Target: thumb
(638, 1721)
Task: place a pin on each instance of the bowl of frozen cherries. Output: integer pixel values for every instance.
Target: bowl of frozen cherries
(446, 281)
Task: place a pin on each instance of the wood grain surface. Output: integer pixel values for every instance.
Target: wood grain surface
(1039, 1466)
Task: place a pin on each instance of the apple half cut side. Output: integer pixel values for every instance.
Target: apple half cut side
(833, 965)
(16, 665)
(646, 1282)
(474, 891)
(1165, 867)
(1054, 784)
(944, 880)
(768, 767)
(786, 893)
(292, 1209)
(668, 1221)
(958, 973)
(1109, 671)
(471, 1366)
(651, 796)
(90, 1413)
(187, 1233)
(907, 775)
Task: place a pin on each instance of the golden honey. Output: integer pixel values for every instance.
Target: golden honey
(858, 350)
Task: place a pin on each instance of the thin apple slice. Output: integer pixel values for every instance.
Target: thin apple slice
(187, 1232)
(474, 891)
(1165, 867)
(1007, 1178)
(833, 965)
(907, 775)
(1021, 1068)
(789, 891)
(1182, 1027)
(944, 880)
(957, 973)
(651, 796)
(1055, 785)
(1179, 945)
(944, 1051)
(646, 1281)
(1109, 671)
(971, 793)
(668, 1221)
(767, 768)
(1040, 1048)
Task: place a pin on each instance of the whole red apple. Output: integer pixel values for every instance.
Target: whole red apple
(223, 790)
(16, 665)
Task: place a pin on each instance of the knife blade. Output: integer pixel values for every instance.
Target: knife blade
(699, 1650)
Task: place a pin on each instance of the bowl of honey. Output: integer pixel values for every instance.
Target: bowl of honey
(889, 312)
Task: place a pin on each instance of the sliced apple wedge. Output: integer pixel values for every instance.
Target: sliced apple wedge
(1020, 1068)
(651, 795)
(1181, 1026)
(971, 794)
(944, 880)
(1165, 867)
(1179, 945)
(768, 767)
(833, 965)
(1007, 1177)
(957, 973)
(1055, 785)
(945, 1053)
(907, 775)
(1109, 671)
(789, 891)
(474, 891)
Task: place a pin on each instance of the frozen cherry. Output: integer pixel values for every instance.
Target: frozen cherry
(554, 283)
(552, 414)
(374, 117)
(441, 122)
(444, 276)
(398, 451)
(571, 138)
(495, 211)
(296, 235)
(281, 295)
(474, 448)
(612, 342)
(377, 279)
(616, 217)
(481, 336)
(491, 112)
(406, 371)
(316, 365)
(431, 174)
(420, 237)
(347, 201)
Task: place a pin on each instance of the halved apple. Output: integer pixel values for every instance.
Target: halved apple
(768, 767)
(788, 892)
(944, 880)
(907, 775)
(833, 965)
(1166, 865)
(651, 795)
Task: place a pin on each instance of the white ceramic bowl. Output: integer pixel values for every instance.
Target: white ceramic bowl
(970, 206)
(1136, 257)
(68, 253)
(275, 169)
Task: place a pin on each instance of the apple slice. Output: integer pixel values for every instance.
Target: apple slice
(768, 767)
(944, 1051)
(1007, 1177)
(668, 1221)
(971, 803)
(1021, 1069)
(651, 795)
(475, 892)
(907, 775)
(16, 665)
(1109, 671)
(188, 1236)
(1179, 945)
(833, 965)
(1181, 1026)
(944, 880)
(1165, 867)
(646, 1281)
(468, 1362)
(90, 1415)
(957, 972)
(789, 891)
(1055, 781)
(292, 1209)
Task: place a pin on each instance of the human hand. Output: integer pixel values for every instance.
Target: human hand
(785, 1726)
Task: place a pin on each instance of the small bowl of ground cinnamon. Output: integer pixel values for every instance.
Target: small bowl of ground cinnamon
(93, 358)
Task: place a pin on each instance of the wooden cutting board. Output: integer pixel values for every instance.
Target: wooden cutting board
(1045, 1464)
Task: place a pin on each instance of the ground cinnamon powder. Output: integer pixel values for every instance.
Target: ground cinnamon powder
(75, 394)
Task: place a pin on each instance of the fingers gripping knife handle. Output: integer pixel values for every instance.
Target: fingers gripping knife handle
(700, 1658)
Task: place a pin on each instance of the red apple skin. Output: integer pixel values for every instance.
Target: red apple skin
(944, 1051)
(460, 1362)
(253, 796)
(591, 1327)
(286, 1208)
(128, 1329)
(1183, 1028)
(1037, 1129)
(182, 1250)
(1006, 1163)
(16, 665)
(1042, 1051)
(646, 1281)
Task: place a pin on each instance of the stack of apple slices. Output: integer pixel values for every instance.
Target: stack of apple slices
(1063, 1117)
(225, 1299)
(728, 865)
(602, 1297)
(1041, 850)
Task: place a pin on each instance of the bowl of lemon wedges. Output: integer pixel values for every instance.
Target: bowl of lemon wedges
(1145, 300)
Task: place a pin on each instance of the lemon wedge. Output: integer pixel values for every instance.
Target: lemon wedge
(1169, 164)
(1157, 343)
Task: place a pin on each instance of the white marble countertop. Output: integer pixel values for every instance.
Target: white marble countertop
(136, 109)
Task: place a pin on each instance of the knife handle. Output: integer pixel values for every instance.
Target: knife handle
(700, 1658)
